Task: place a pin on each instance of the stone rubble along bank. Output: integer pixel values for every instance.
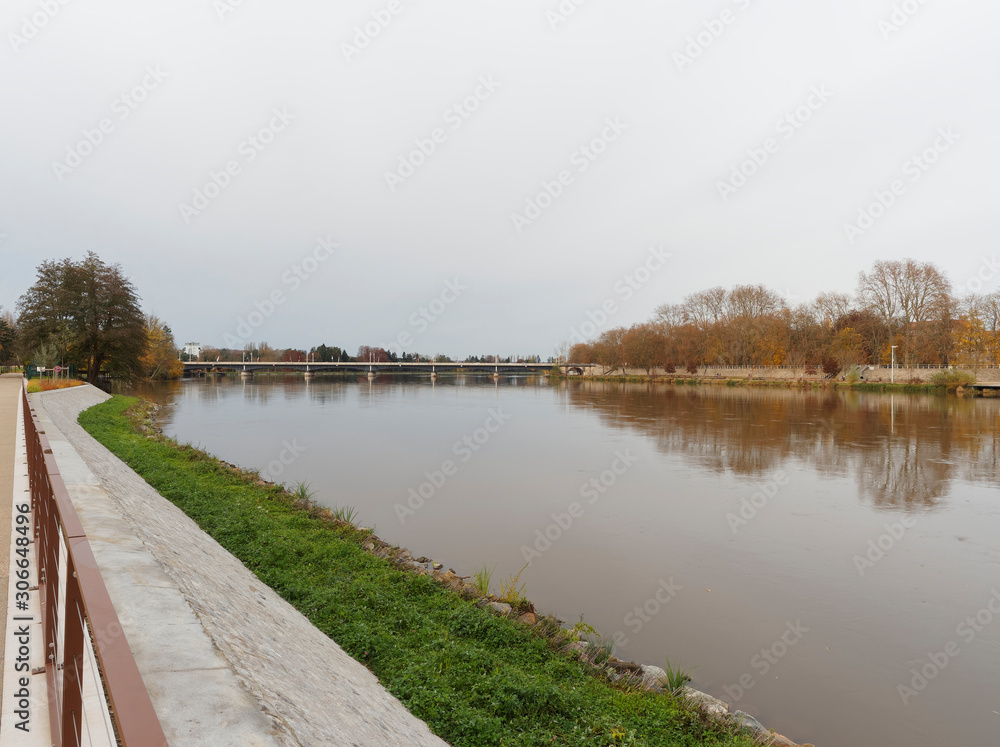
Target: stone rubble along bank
(652, 677)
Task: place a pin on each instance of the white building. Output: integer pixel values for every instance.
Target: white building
(192, 349)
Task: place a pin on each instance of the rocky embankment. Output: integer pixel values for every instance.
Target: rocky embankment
(643, 675)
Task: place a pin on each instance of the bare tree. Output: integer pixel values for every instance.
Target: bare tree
(581, 352)
(609, 351)
(926, 302)
(670, 315)
(644, 347)
(877, 292)
(705, 308)
(908, 296)
(833, 306)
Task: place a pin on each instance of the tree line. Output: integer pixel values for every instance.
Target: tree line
(264, 353)
(905, 304)
(85, 314)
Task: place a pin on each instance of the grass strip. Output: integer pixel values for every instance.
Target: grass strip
(475, 678)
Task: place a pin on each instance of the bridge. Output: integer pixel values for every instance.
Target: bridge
(311, 368)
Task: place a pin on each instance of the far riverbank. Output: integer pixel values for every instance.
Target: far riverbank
(870, 379)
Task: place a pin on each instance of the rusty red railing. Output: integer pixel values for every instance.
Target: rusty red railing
(86, 603)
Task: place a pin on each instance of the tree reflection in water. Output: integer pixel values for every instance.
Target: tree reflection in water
(904, 449)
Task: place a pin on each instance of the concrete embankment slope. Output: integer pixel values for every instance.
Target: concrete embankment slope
(225, 659)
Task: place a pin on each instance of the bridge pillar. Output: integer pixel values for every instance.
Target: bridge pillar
(246, 374)
(310, 375)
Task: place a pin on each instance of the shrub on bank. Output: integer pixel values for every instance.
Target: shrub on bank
(952, 379)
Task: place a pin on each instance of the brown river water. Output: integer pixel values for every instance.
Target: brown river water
(827, 561)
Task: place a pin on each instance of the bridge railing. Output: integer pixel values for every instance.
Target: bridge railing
(76, 608)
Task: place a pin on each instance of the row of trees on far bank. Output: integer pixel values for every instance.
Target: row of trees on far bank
(906, 304)
(264, 353)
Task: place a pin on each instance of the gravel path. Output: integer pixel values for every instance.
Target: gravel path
(313, 692)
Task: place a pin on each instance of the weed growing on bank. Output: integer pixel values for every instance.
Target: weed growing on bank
(474, 677)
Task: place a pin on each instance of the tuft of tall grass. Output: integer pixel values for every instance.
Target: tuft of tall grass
(676, 678)
(484, 580)
(345, 513)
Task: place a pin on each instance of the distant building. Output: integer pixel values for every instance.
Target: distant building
(192, 349)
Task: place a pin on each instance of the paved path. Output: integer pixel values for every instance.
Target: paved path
(10, 391)
(225, 659)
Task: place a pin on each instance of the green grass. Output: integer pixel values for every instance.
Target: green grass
(484, 579)
(475, 678)
(676, 678)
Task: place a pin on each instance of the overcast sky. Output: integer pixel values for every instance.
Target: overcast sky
(563, 150)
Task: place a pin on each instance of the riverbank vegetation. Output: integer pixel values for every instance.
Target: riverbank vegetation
(476, 678)
(903, 311)
(49, 385)
(944, 381)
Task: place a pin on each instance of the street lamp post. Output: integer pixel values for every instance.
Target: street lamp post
(892, 369)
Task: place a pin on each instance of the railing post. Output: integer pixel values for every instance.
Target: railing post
(72, 658)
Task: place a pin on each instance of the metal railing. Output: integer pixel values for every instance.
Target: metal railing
(84, 608)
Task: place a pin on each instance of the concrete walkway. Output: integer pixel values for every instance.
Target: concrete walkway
(225, 659)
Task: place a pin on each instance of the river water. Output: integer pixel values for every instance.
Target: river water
(826, 561)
